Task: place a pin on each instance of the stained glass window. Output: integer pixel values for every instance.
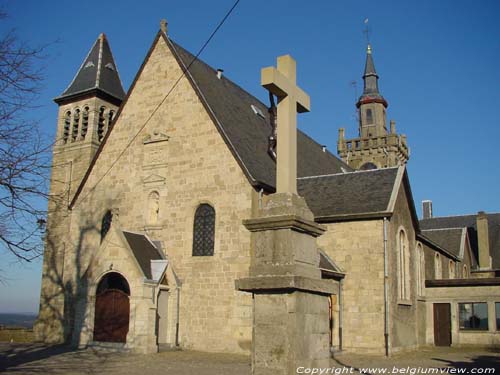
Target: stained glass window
(204, 231)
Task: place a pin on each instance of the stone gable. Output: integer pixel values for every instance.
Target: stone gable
(186, 162)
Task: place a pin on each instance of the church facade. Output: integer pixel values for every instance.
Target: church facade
(145, 234)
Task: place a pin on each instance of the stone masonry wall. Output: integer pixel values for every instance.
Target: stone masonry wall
(357, 247)
(181, 156)
(403, 314)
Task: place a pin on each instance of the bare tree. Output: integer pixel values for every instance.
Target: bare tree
(24, 153)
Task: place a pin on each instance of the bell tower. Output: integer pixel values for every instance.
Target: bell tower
(86, 110)
(375, 147)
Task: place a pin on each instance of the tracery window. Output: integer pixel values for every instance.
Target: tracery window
(106, 224)
(204, 231)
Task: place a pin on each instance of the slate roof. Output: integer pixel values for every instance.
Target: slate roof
(97, 72)
(144, 251)
(450, 239)
(361, 192)
(469, 221)
(247, 133)
(328, 267)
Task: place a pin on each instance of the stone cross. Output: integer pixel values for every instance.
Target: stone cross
(291, 99)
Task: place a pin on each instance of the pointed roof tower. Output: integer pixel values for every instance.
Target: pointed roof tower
(370, 78)
(97, 75)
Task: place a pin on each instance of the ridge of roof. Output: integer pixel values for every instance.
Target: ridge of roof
(457, 216)
(345, 173)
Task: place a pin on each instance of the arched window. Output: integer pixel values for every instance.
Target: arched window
(451, 270)
(67, 125)
(76, 120)
(420, 270)
(466, 272)
(111, 114)
(204, 231)
(85, 122)
(101, 124)
(437, 267)
(153, 207)
(106, 224)
(403, 267)
(369, 116)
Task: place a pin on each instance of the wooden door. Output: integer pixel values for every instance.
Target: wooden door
(442, 324)
(112, 311)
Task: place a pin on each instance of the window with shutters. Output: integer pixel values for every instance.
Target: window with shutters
(85, 122)
(204, 231)
(67, 125)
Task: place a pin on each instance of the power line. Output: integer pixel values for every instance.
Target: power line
(228, 13)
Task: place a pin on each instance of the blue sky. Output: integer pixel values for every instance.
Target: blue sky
(437, 62)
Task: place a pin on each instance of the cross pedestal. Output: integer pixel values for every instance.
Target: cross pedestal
(290, 300)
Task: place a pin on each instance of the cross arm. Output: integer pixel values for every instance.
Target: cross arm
(279, 85)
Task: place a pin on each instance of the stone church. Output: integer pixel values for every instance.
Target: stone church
(155, 194)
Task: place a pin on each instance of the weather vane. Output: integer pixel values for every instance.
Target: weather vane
(367, 31)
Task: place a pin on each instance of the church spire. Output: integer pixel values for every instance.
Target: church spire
(97, 75)
(375, 146)
(370, 79)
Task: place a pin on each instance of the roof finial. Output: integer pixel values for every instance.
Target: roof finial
(102, 36)
(163, 26)
(367, 31)
(369, 49)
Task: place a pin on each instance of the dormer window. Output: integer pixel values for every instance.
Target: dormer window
(89, 64)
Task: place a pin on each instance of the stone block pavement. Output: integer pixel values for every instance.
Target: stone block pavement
(37, 359)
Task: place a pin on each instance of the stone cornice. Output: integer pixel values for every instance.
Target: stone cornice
(293, 222)
(287, 283)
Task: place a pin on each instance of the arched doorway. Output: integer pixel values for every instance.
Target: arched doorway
(112, 309)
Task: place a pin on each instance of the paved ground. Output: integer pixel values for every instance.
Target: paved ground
(38, 359)
(425, 358)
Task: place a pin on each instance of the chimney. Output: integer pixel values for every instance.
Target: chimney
(323, 148)
(427, 209)
(219, 73)
(483, 241)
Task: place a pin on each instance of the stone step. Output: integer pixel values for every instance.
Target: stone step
(114, 347)
(167, 348)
